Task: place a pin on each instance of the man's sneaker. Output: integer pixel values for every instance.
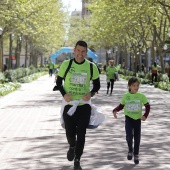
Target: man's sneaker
(77, 165)
(136, 159)
(129, 156)
(71, 153)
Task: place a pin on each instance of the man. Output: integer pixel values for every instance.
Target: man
(77, 87)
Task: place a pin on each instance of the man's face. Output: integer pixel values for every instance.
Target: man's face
(80, 53)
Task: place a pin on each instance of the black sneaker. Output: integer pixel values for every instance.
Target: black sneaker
(136, 159)
(71, 153)
(77, 165)
(129, 156)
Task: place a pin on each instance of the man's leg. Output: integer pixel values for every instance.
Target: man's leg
(83, 118)
(70, 127)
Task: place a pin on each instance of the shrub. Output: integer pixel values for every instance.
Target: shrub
(2, 77)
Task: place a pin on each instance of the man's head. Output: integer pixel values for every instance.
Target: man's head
(81, 43)
(80, 51)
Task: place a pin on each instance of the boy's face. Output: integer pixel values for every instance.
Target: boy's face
(134, 87)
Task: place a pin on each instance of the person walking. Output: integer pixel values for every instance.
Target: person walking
(132, 102)
(76, 87)
(155, 69)
(110, 76)
(51, 68)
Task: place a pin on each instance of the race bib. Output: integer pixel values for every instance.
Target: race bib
(133, 106)
(79, 78)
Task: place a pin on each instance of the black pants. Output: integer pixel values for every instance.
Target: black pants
(50, 72)
(133, 130)
(154, 76)
(76, 127)
(111, 82)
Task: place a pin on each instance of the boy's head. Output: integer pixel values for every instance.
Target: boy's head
(133, 85)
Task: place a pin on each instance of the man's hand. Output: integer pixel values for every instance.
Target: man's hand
(67, 97)
(87, 97)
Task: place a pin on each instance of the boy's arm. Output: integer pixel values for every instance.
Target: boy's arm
(118, 108)
(147, 110)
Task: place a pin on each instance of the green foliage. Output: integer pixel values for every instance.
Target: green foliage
(14, 75)
(32, 77)
(11, 75)
(32, 69)
(162, 85)
(126, 72)
(8, 88)
(2, 77)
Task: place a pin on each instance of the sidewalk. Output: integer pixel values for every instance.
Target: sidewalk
(31, 137)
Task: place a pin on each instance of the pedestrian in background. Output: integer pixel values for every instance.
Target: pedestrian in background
(76, 87)
(110, 76)
(51, 68)
(155, 69)
(143, 68)
(132, 102)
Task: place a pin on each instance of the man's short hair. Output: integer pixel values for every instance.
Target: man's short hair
(81, 43)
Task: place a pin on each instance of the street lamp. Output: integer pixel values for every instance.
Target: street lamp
(1, 48)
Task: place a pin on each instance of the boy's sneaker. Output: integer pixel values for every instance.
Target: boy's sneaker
(136, 159)
(129, 156)
(77, 165)
(71, 153)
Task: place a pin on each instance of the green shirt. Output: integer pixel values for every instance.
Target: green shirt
(133, 104)
(77, 80)
(110, 72)
(51, 65)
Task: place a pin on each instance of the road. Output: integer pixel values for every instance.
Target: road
(31, 137)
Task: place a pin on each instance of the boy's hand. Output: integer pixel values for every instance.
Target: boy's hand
(115, 114)
(143, 118)
(67, 97)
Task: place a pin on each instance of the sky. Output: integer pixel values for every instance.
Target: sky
(73, 4)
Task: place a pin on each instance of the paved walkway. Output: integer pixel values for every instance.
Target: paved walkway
(31, 137)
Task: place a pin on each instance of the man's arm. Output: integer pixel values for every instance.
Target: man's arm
(59, 83)
(96, 86)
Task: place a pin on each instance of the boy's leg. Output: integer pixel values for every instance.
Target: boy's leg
(129, 136)
(137, 136)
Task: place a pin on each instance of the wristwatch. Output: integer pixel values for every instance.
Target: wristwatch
(92, 94)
